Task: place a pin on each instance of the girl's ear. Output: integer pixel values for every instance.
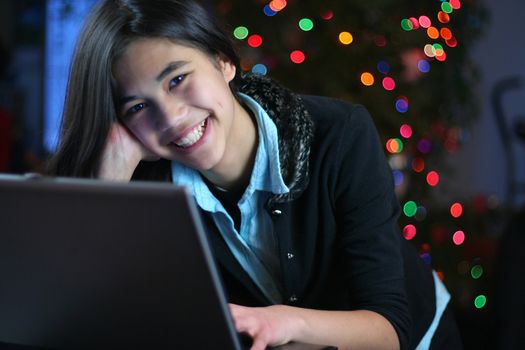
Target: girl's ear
(227, 68)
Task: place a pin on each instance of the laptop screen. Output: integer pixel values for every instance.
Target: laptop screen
(92, 264)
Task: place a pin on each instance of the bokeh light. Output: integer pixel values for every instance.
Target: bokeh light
(306, 24)
(297, 56)
(445, 33)
(406, 24)
(445, 7)
(415, 23)
(240, 32)
(443, 17)
(455, 4)
(476, 271)
(389, 83)
(433, 32)
(410, 208)
(346, 38)
(367, 79)
(394, 145)
(402, 104)
(423, 66)
(383, 67)
(432, 178)
(424, 146)
(480, 301)
(277, 5)
(456, 210)
(327, 15)
(268, 11)
(424, 21)
(418, 164)
(405, 130)
(399, 177)
(255, 40)
(409, 231)
(259, 68)
(458, 237)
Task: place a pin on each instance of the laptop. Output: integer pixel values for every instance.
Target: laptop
(89, 264)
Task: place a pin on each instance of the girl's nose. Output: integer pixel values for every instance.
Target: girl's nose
(170, 114)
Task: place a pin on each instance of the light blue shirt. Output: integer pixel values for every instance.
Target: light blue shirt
(255, 246)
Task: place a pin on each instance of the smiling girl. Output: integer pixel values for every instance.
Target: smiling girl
(295, 190)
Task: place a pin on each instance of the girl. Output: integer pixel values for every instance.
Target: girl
(295, 190)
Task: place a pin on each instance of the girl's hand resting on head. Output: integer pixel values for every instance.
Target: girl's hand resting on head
(121, 154)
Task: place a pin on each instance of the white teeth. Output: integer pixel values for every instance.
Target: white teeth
(193, 136)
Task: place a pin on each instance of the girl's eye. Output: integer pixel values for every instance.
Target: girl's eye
(136, 108)
(176, 81)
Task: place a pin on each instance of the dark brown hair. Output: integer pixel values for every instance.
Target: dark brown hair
(90, 108)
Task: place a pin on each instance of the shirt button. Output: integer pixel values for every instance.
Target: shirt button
(276, 212)
(293, 298)
(290, 256)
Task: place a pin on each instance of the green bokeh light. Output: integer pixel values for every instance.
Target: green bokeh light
(240, 32)
(406, 24)
(476, 271)
(410, 208)
(306, 24)
(446, 7)
(480, 301)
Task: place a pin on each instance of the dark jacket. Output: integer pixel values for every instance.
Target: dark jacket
(339, 243)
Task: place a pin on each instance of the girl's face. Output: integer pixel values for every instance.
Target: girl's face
(177, 102)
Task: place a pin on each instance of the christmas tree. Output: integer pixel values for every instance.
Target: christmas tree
(408, 63)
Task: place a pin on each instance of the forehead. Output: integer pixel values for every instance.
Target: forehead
(146, 57)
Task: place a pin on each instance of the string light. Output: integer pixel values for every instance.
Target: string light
(443, 17)
(445, 7)
(407, 24)
(423, 66)
(327, 15)
(383, 67)
(260, 68)
(415, 23)
(402, 104)
(480, 301)
(432, 178)
(476, 271)
(255, 40)
(409, 232)
(394, 145)
(424, 21)
(418, 164)
(389, 83)
(455, 4)
(268, 11)
(410, 208)
(456, 210)
(406, 131)
(433, 33)
(277, 5)
(240, 32)
(445, 33)
(297, 56)
(306, 24)
(458, 237)
(424, 146)
(367, 79)
(346, 38)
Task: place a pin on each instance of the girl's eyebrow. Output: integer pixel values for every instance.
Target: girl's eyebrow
(170, 67)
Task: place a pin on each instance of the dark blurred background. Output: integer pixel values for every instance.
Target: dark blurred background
(443, 80)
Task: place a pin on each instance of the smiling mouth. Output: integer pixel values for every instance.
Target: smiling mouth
(193, 136)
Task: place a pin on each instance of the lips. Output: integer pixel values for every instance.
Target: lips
(193, 136)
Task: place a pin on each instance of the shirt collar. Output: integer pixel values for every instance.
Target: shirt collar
(266, 174)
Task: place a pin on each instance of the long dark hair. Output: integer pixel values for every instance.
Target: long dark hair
(90, 108)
